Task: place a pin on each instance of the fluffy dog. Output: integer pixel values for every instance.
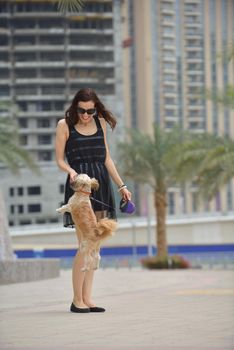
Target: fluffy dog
(90, 232)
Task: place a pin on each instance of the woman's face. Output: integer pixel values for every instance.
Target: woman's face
(86, 110)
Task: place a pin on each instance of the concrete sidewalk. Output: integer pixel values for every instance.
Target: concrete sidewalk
(168, 310)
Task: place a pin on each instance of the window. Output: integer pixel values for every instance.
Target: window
(170, 124)
(4, 72)
(34, 190)
(34, 208)
(169, 113)
(61, 188)
(40, 221)
(25, 56)
(25, 222)
(44, 155)
(20, 191)
(23, 122)
(43, 123)
(169, 100)
(11, 191)
(44, 139)
(23, 140)
(53, 220)
(20, 209)
(194, 202)
(23, 73)
(24, 40)
(12, 209)
(171, 203)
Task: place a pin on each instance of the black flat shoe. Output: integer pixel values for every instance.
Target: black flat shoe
(73, 308)
(97, 309)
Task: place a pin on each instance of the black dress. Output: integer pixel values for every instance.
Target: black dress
(86, 154)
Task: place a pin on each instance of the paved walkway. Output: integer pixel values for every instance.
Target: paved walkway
(145, 310)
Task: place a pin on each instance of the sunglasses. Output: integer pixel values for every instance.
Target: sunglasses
(88, 111)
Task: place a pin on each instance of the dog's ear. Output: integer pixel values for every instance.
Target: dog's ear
(94, 184)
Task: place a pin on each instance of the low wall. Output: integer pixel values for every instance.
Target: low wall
(27, 270)
(133, 231)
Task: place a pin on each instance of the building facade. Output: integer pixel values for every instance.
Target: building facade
(173, 54)
(45, 58)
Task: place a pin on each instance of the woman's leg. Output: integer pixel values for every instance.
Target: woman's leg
(78, 278)
(88, 280)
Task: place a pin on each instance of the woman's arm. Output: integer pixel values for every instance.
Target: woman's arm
(62, 134)
(111, 166)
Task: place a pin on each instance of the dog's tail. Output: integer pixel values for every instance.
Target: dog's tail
(106, 228)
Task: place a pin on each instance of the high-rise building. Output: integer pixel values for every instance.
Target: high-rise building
(45, 58)
(171, 52)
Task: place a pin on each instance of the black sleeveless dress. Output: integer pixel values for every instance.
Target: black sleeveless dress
(86, 154)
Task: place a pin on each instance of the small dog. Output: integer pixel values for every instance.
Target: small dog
(90, 232)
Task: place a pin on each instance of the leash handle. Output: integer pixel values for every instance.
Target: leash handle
(102, 203)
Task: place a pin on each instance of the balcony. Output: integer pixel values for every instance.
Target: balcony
(167, 10)
(194, 59)
(195, 107)
(90, 47)
(5, 31)
(37, 130)
(39, 64)
(35, 31)
(5, 65)
(33, 48)
(171, 58)
(4, 48)
(41, 81)
(40, 114)
(90, 64)
(40, 97)
(35, 14)
(172, 94)
(197, 72)
(169, 82)
(192, 24)
(90, 31)
(194, 36)
(195, 84)
(193, 48)
(198, 117)
(5, 81)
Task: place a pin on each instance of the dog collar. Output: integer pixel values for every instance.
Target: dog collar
(88, 193)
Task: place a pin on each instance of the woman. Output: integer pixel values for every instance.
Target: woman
(81, 137)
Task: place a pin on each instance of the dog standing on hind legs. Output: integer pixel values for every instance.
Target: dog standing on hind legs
(90, 232)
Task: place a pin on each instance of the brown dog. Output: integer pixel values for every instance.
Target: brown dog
(90, 232)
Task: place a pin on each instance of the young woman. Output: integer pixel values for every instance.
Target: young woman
(81, 138)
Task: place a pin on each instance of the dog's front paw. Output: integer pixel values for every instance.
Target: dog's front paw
(63, 209)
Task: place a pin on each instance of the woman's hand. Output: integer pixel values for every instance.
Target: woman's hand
(126, 194)
(73, 174)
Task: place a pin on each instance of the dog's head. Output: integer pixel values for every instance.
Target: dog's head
(84, 183)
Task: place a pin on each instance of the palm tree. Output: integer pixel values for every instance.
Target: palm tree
(145, 159)
(225, 97)
(217, 167)
(13, 157)
(208, 160)
(11, 154)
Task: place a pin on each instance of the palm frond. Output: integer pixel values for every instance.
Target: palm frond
(144, 157)
(65, 6)
(12, 155)
(224, 97)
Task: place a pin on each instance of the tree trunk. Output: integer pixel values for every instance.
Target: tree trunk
(160, 202)
(6, 251)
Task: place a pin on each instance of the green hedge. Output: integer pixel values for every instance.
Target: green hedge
(166, 262)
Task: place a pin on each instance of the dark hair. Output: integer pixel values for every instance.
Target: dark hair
(85, 95)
